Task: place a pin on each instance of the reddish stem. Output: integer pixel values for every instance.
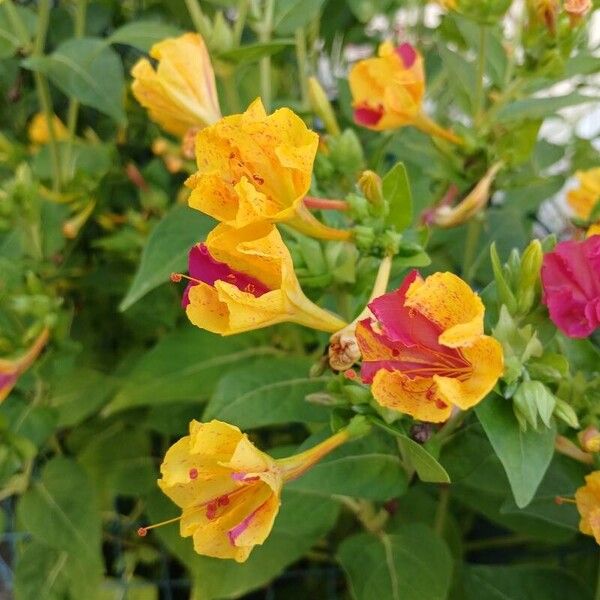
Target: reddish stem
(325, 203)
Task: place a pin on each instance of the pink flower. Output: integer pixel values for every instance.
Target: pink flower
(571, 282)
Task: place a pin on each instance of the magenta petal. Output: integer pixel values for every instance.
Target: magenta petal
(407, 54)
(7, 379)
(203, 267)
(571, 285)
(368, 117)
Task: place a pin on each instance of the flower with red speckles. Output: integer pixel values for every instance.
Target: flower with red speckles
(228, 490)
(243, 279)
(571, 286)
(424, 350)
(388, 90)
(11, 370)
(587, 499)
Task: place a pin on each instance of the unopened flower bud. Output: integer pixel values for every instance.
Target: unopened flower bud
(370, 185)
(529, 275)
(577, 9)
(343, 349)
(72, 226)
(321, 106)
(589, 439)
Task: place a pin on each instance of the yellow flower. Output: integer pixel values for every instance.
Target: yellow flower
(588, 505)
(11, 370)
(424, 350)
(243, 279)
(387, 91)
(39, 133)
(180, 94)
(584, 198)
(253, 167)
(228, 490)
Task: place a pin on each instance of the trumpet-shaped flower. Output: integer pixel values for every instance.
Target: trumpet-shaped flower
(11, 370)
(228, 490)
(39, 131)
(587, 498)
(584, 198)
(571, 286)
(424, 350)
(257, 167)
(387, 91)
(180, 94)
(243, 279)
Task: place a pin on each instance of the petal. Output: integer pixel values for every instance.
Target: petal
(486, 358)
(248, 459)
(206, 310)
(211, 195)
(448, 301)
(417, 397)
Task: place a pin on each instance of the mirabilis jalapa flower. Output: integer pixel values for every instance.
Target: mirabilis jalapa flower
(257, 167)
(228, 490)
(424, 350)
(587, 499)
(11, 370)
(571, 286)
(180, 94)
(584, 199)
(243, 279)
(387, 91)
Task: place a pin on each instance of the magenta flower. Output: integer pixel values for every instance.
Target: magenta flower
(571, 283)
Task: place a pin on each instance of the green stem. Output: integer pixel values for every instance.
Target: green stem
(502, 541)
(473, 234)
(301, 59)
(266, 28)
(479, 92)
(198, 18)
(73, 110)
(43, 91)
(240, 22)
(442, 510)
(16, 23)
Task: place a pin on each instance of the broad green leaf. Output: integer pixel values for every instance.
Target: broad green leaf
(253, 52)
(461, 75)
(292, 14)
(540, 108)
(184, 366)
(166, 250)
(60, 510)
(525, 455)
(268, 392)
(412, 564)
(396, 190)
(302, 520)
(88, 70)
(364, 468)
(143, 34)
(521, 582)
(427, 467)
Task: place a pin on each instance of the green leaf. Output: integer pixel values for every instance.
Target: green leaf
(427, 467)
(9, 41)
(462, 77)
(365, 468)
(522, 582)
(143, 34)
(412, 564)
(60, 510)
(166, 250)
(292, 14)
(253, 52)
(525, 455)
(540, 108)
(396, 190)
(184, 366)
(268, 392)
(302, 520)
(88, 70)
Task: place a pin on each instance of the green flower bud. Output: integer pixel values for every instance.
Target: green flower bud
(321, 106)
(529, 276)
(533, 399)
(346, 153)
(564, 412)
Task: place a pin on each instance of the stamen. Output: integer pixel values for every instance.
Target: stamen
(142, 531)
(564, 500)
(177, 277)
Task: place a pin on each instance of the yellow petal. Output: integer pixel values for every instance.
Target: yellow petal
(181, 93)
(39, 132)
(486, 358)
(417, 397)
(448, 301)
